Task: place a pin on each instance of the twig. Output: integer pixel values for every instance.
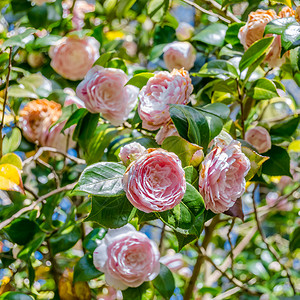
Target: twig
(29, 190)
(231, 246)
(206, 11)
(270, 248)
(49, 149)
(52, 170)
(5, 98)
(208, 235)
(160, 247)
(232, 279)
(33, 204)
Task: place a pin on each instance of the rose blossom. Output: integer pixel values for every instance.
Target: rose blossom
(36, 119)
(184, 31)
(131, 152)
(286, 12)
(155, 181)
(259, 137)
(41, 2)
(222, 176)
(161, 90)
(254, 31)
(179, 55)
(72, 56)
(127, 258)
(166, 131)
(103, 90)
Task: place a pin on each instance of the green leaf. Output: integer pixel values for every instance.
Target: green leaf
(157, 51)
(18, 40)
(104, 58)
(21, 91)
(190, 124)
(213, 34)
(183, 239)
(85, 270)
(32, 246)
(192, 176)
(253, 67)
(90, 241)
(164, 282)
(117, 63)
(255, 51)
(139, 80)
(37, 16)
(12, 140)
(218, 68)
(285, 2)
(21, 230)
(285, 128)
(181, 147)
(295, 240)
(111, 212)
(75, 117)
(65, 239)
(187, 217)
(144, 217)
(232, 32)
(138, 293)
(263, 89)
(256, 161)
(15, 296)
(289, 29)
(157, 9)
(67, 111)
(102, 179)
(278, 164)
(47, 41)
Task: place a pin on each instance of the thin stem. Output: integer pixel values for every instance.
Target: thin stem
(5, 98)
(41, 162)
(33, 204)
(206, 11)
(270, 248)
(161, 242)
(208, 235)
(72, 7)
(231, 246)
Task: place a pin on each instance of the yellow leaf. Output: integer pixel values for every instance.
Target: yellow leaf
(12, 159)
(294, 146)
(113, 35)
(10, 178)
(286, 2)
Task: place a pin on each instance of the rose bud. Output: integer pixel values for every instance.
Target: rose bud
(166, 131)
(184, 31)
(35, 59)
(72, 57)
(197, 158)
(254, 31)
(103, 91)
(259, 138)
(131, 152)
(127, 258)
(179, 55)
(162, 89)
(222, 176)
(155, 181)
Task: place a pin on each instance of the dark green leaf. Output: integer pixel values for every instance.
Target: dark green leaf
(232, 32)
(37, 15)
(164, 282)
(213, 34)
(102, 179)
(111, 212)
(295, 239)
(67, 112)
(285, 128)
(255, 51)
(190, 124)
(192, 176)
(184, 239)
(85, 270)
(157, 9)
(278, 164)
(187, 217)
(75, 117)
(104, 58)
(21, 230)
(15, 296)
(138, 293)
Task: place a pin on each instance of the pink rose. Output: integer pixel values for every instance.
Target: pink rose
(71, 98)
(222, 176)
(286, 12)
(131, 152)
(41, 2)
(179, 55)
(254, 31)
(161, 90)
(103, 90)
(259, 137)
(72, 57)
(127, 258)
(184, 31)
(173, 261)
(166, 131)
(155, 181)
